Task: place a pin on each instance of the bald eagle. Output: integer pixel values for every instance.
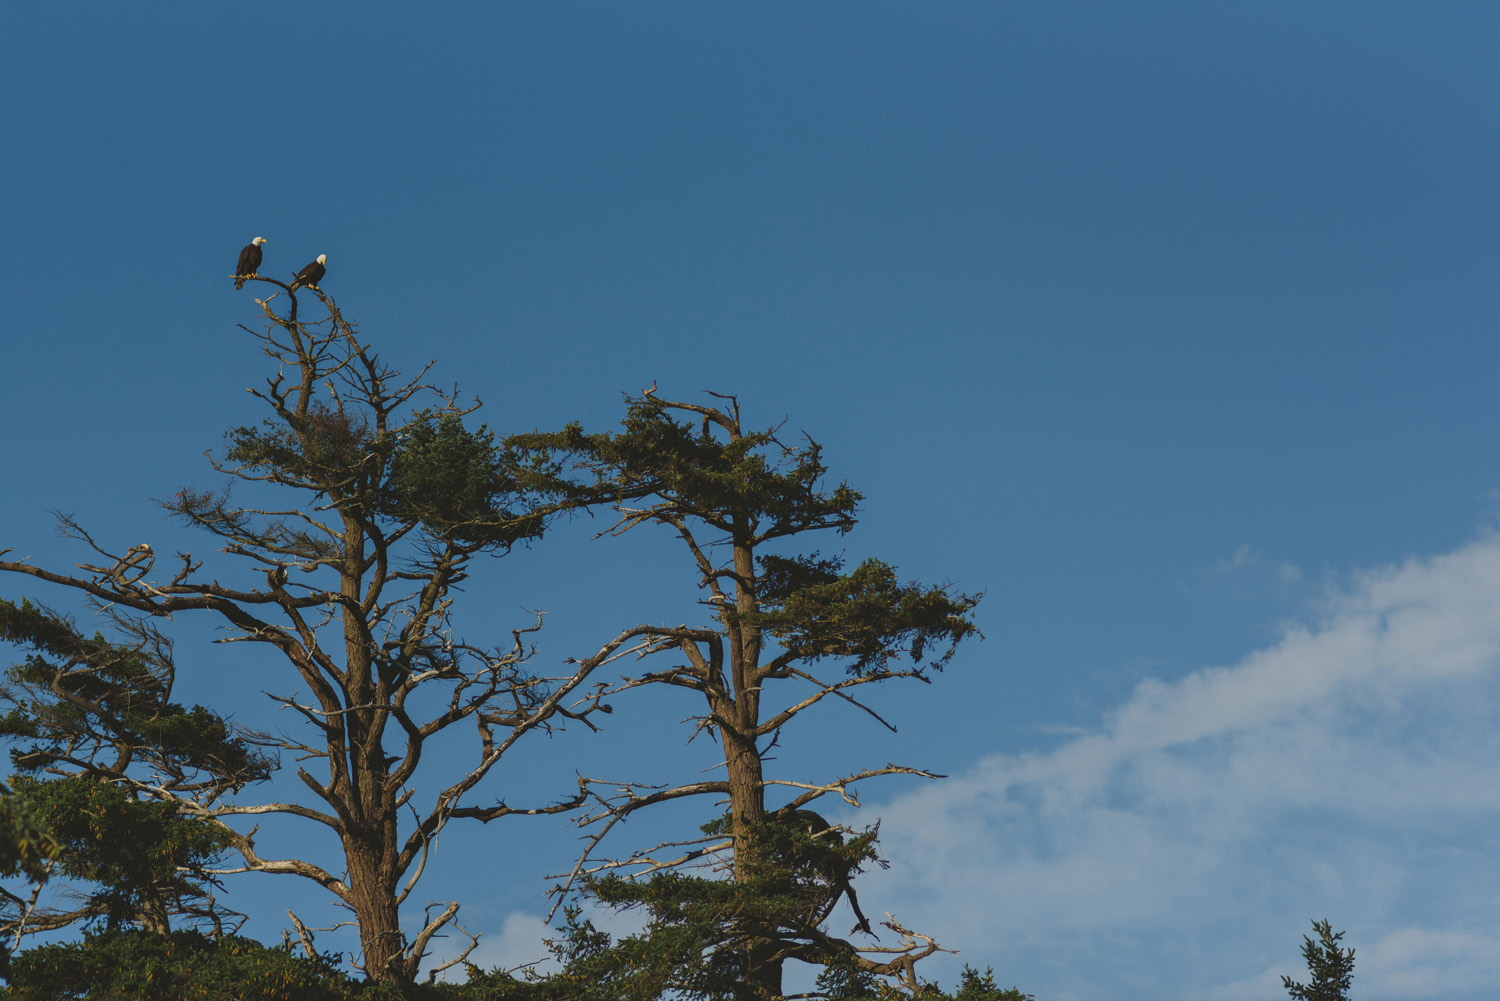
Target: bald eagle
(249, 261)
(311, 275)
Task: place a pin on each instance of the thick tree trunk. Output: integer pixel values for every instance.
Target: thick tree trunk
(152, 915)
(747, 803)
(747, 799)
(742, 757)
(372, 890)
(370, 845)
(747, 808)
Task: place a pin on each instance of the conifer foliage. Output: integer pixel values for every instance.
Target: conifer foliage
(1331, 967)
(783, 632)
(371, 497)
(100, 752)
(357, 508)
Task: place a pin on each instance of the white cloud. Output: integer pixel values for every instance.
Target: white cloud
(1348, 770)
(1247, 565)
(1416, 963)
(1243, 557)
(517, 943)
(1265, 984)
(1404, 965)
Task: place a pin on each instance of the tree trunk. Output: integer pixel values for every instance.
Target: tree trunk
(372, 895)
(747, 791)
(747, 808)
(747, 804)
(152, 915)
(370, 844)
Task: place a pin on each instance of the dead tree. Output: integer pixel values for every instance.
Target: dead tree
(349, 584)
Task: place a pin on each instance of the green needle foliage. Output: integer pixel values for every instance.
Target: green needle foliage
(26, 846)
(1331, 967)
(359, 505)
(848, 983)
(739, 500)
(82, 704)
(976, 986)
(27, 849)
(182, 965)
(430, 470)
(373, 502)
(866, 618)
(143, 859)
(457, 481)
(105, 759)
(704, 935)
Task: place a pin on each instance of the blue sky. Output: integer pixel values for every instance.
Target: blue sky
(1169, 326)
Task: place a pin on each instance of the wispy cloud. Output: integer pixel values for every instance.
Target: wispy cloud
(1250, 571)
(1349, 770)
(1405, 963)
(518, 942)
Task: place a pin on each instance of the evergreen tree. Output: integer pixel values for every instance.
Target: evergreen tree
(777, 621)
(26, 848)
(696, 927)
(1331, 968)
(976, 986)
(374, 499)
(126, 965)
(104, 757)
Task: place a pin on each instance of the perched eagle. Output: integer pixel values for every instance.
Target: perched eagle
(249, 261)
(311, 275)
